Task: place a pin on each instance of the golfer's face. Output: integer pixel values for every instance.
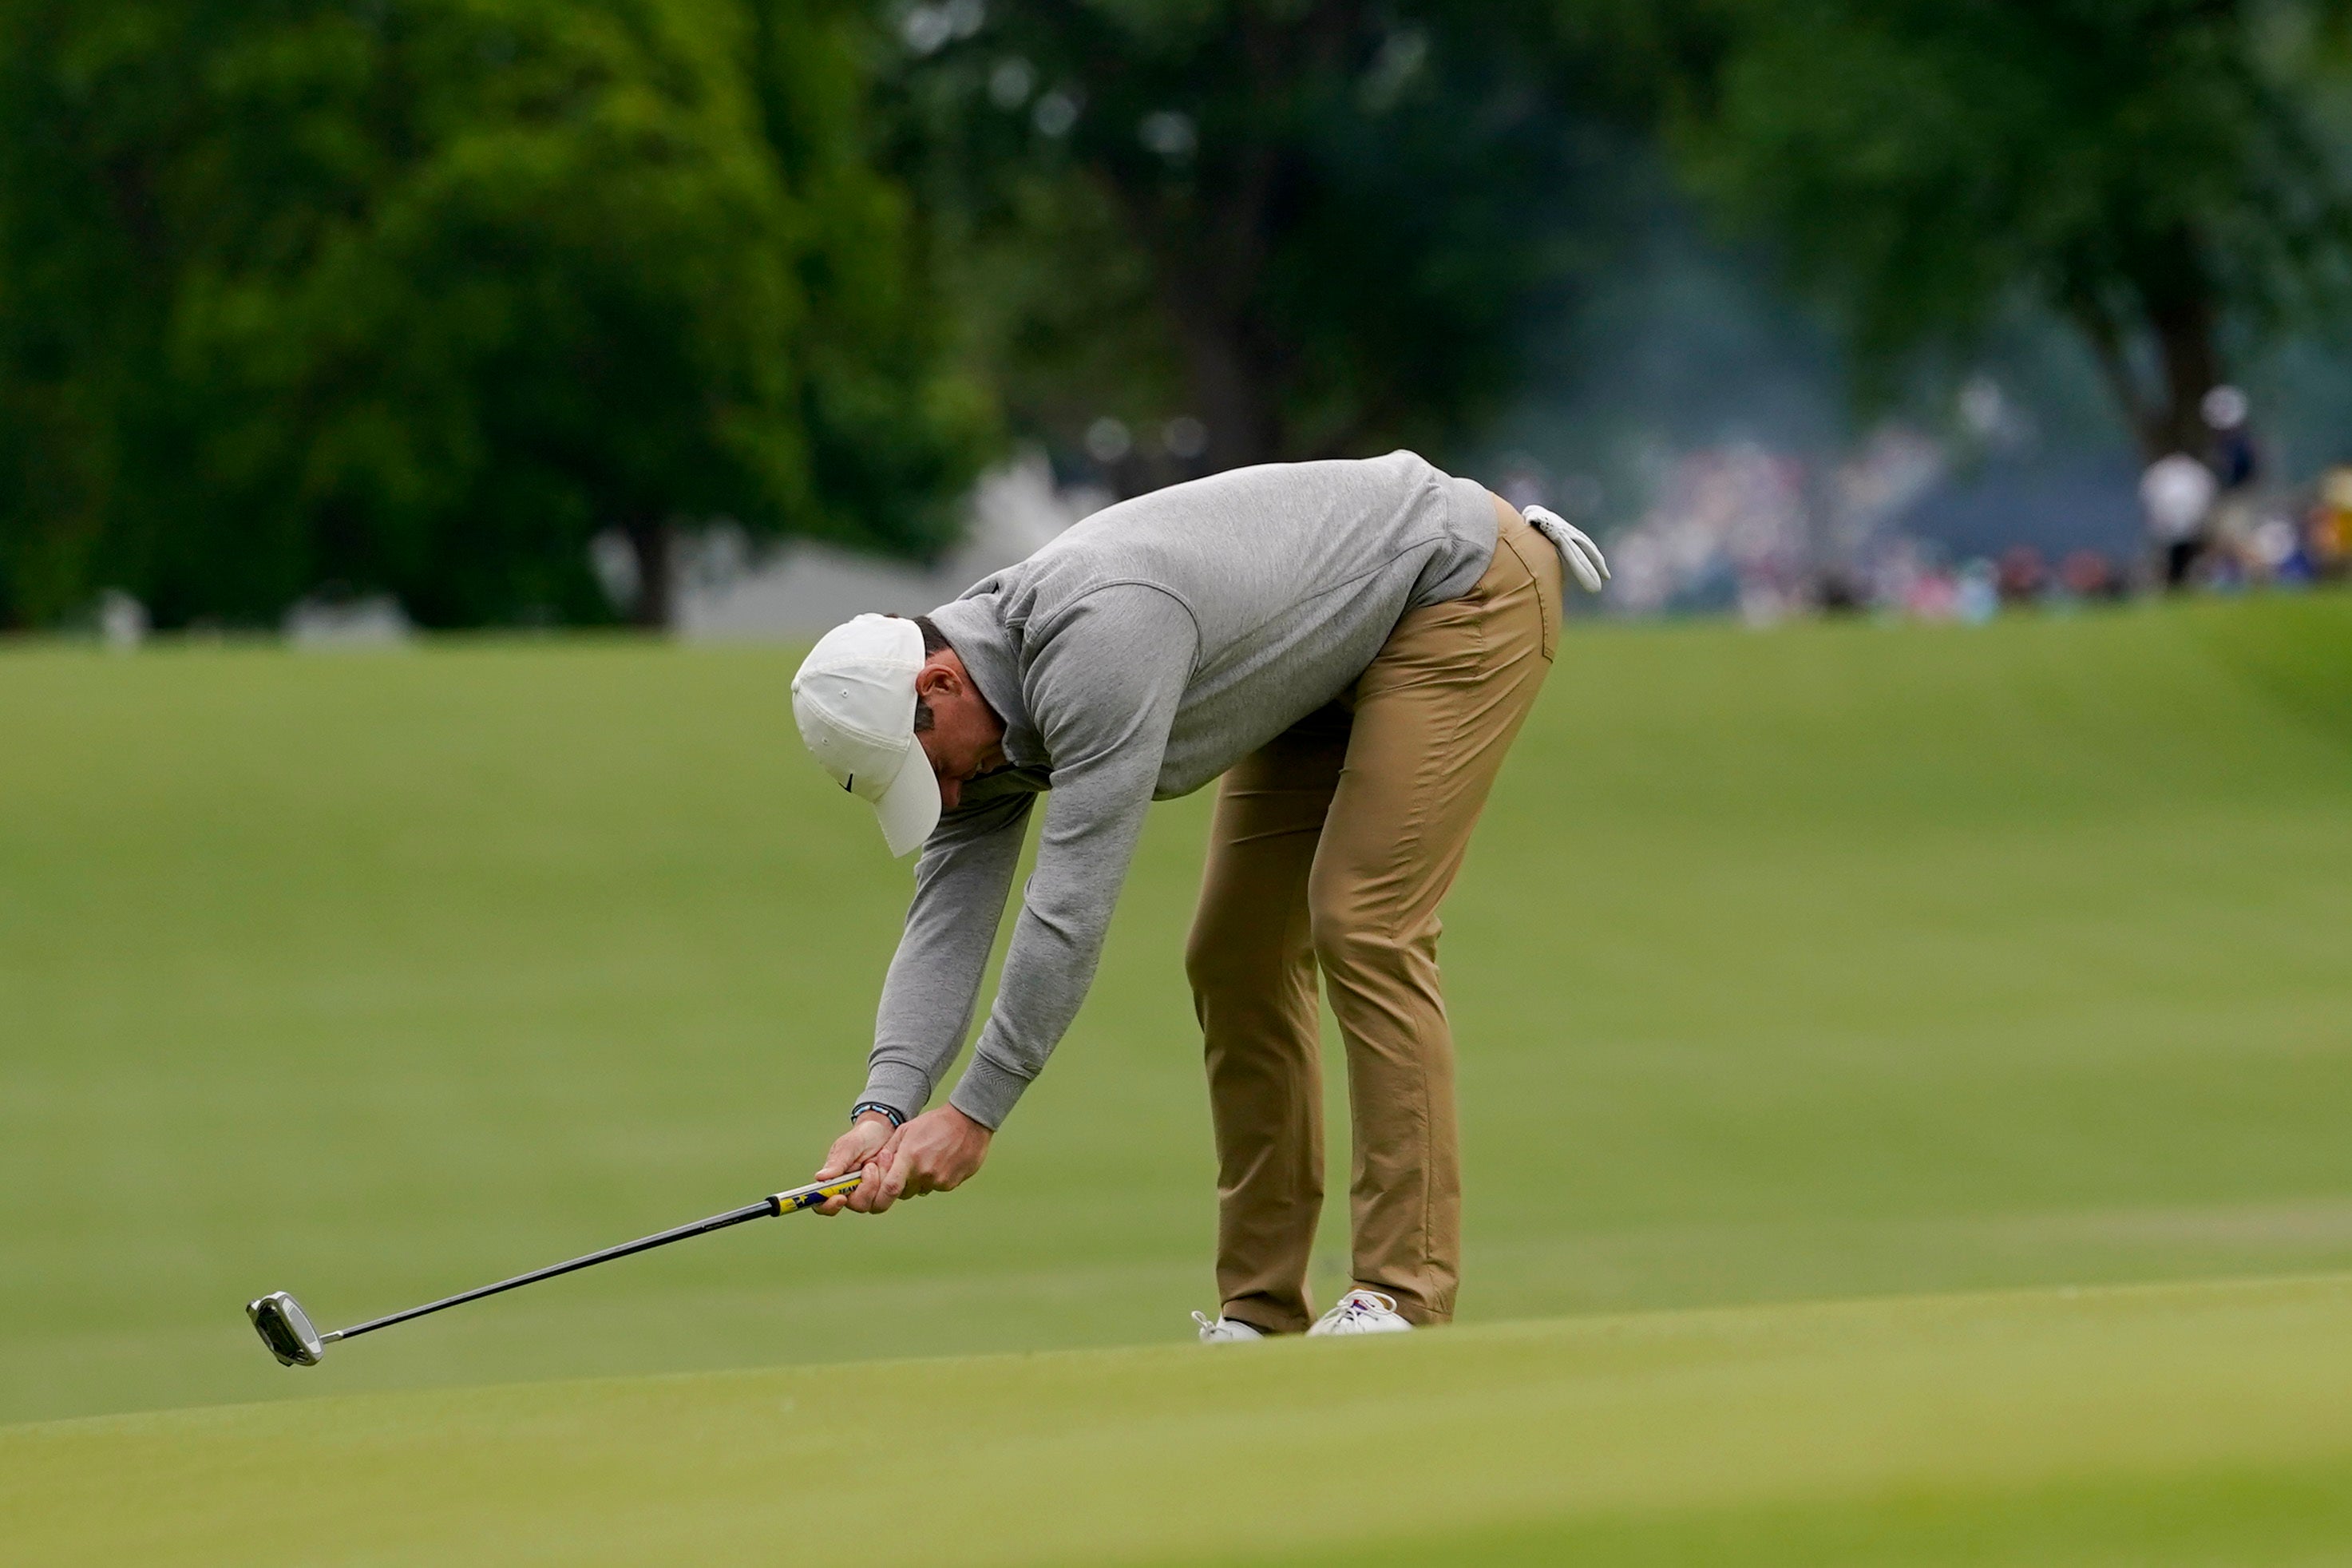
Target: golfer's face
(965, 739)
(962, 744)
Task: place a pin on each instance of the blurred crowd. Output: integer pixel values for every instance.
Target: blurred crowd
(2214, 524)
(1768, 534)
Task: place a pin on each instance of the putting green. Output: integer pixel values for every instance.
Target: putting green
(1839, 960)
(2167, 1425)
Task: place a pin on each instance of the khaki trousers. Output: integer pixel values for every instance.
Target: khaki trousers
(1332, 848)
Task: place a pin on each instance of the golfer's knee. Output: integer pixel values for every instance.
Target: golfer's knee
(1351, 941)
(1220, 961)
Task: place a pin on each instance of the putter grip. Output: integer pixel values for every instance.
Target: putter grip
(815, 1192)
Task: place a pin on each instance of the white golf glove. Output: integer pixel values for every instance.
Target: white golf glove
(1576, 548)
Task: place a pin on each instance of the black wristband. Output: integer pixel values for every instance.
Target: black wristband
(863, 1106)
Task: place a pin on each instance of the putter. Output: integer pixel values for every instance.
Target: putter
(287, 1331)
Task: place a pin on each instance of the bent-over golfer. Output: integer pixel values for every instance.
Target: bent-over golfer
(1352, 647)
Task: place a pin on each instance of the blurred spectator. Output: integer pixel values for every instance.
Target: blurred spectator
(121, 620)
(2239, 544)
(2236, 463)
(2218, 572)
(2177, 493)
(2276, 550)
(1978, 597)
(2022, 575)
(2328, 531)
(2088, 575)
(1933, 596)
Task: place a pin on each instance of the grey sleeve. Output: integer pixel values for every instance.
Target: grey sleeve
(960, 881)
(1104, 686)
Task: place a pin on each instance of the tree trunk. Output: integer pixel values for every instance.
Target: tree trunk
(1233, 395)
(652, 544)
(2184, 328)
(2173, 299)
(1211, 252)
(1206, 277)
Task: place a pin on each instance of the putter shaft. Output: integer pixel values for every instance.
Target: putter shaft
(784, 1203)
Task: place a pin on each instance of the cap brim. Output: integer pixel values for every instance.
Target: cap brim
(909, 808)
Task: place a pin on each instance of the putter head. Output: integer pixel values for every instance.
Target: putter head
(286, 1329)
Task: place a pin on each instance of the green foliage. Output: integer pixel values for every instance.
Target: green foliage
(2150, 169)
(1321, 228)
(896, 428)
(420, 294)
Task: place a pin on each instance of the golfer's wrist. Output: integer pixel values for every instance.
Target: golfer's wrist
(889, 1115)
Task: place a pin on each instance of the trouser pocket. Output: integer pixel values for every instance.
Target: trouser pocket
(1538, 558)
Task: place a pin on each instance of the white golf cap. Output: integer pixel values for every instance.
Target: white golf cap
(854, 699)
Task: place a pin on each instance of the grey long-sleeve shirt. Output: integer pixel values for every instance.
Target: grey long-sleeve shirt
(1136, 657)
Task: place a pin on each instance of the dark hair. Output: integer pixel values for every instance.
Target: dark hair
(934, 641)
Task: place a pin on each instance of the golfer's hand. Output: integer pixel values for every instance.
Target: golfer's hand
(936, 1153)
(860, 1145)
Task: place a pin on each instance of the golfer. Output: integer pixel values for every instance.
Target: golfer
(1351, 647)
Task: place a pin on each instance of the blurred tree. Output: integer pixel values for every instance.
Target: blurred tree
(1308, 227)
(2152, 170)
(421, 294)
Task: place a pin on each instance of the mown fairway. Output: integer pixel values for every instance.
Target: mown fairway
(1835, 961)
(2176, 1425)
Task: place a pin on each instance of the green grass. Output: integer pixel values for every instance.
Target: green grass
(1838, 961)
(2180, 1424)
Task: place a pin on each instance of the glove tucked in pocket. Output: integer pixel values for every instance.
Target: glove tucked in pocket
(1576, 551)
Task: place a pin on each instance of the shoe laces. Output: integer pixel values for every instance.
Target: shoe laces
(1205, 1320)
(1364, 1303)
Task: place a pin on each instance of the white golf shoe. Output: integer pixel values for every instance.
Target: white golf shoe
(1225, 1331)
(1362, 1312)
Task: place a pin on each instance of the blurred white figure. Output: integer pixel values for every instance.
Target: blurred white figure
(121, 620)
(2273, 545)
(1976, 597)
(2177, 494)
(322, 625)
(2224, 407)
